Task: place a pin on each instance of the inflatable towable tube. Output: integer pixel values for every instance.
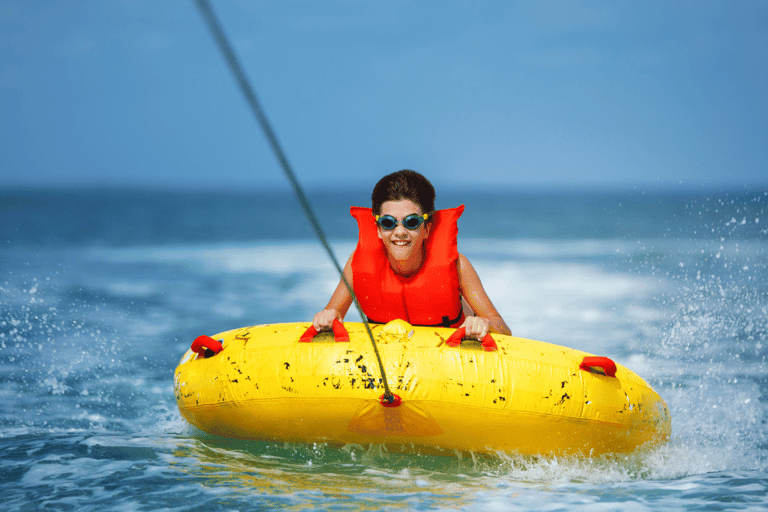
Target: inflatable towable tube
(281, 383)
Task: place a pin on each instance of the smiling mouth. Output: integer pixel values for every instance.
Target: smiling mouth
(401, 243)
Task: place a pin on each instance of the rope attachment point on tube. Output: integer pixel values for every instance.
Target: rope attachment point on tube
(390, 400)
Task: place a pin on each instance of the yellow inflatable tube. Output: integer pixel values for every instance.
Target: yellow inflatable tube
(523, 396)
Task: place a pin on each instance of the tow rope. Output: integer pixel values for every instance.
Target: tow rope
(387, 399)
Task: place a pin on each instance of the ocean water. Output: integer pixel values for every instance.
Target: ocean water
(102, 291)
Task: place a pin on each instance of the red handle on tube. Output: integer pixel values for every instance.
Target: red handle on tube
(340, 333)
(454, 340)
(203, 344)
(600, 365)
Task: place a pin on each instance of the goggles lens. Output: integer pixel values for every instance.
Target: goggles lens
(412, 222)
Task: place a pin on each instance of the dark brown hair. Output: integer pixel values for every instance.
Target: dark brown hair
(404, 184)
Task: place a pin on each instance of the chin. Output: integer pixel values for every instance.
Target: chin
(401, 252)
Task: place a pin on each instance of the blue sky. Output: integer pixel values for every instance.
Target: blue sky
(494, 94)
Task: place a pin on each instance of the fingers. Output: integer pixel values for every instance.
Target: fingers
(323, 321)
(476, 327)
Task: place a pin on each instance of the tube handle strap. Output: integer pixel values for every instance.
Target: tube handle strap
(454, 340)
(206, 346)
(340, 333)
(599, 365)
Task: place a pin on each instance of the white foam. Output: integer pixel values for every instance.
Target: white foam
(276, 258)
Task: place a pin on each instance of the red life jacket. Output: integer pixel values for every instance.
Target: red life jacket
(429, 297)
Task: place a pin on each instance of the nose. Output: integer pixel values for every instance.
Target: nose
(400, 230)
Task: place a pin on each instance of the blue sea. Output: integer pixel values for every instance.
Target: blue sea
(103, 290)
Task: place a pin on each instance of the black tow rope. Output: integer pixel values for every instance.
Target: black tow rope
(388, 399)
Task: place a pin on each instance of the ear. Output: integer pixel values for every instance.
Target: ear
(378, 232)
(427, 229)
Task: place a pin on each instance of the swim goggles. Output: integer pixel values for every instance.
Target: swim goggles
(412, 222)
